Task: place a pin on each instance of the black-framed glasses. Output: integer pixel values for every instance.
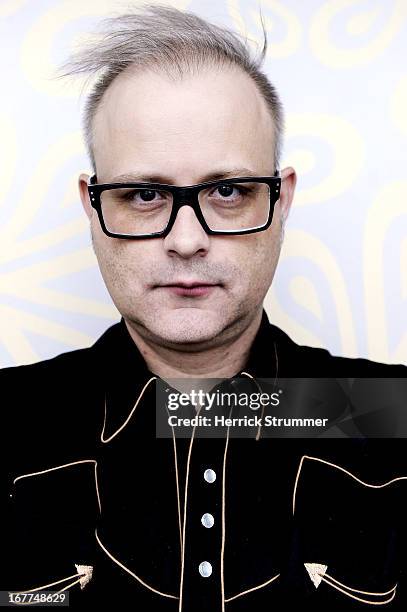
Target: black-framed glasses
(241, 205)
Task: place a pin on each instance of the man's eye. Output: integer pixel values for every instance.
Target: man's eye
(140, 196)
(228, 192)
(147, 195)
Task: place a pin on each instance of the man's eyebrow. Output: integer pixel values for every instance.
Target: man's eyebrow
(156, 178)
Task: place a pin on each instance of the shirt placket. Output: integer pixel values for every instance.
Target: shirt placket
(202, 585)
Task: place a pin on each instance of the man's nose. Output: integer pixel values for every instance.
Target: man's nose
(187, 236)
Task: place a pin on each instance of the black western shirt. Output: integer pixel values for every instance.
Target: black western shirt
(99, 507)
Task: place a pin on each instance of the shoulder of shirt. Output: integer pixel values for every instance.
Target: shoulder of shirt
(57, 365)
(334, 365)
(45, 375)
(49, 409)
(51, 375)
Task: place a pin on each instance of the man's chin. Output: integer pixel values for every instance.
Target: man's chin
(188, 325)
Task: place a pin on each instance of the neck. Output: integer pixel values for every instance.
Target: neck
(220, 361)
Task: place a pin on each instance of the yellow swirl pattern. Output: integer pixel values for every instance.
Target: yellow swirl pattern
(36, 53)
(8, 155)
(347, 148)
(340, 57)
(389, 206)
(9, 7)
(398, 105)
(292, 39)
(299, 243)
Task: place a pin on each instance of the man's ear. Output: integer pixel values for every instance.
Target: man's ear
(288, 183)
(83, 191)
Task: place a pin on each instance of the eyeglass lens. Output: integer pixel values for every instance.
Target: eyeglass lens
(236, 206)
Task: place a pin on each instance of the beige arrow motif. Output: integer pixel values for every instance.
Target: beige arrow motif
(316, 572)
(86, 571)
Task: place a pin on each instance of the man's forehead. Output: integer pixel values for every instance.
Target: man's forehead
(168, 124)
(144, 96)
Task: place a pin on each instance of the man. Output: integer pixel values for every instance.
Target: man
(99, 506)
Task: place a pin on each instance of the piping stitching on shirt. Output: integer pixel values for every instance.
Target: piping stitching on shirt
(185, 511)
(177, 484)
(262, 408)
(367, 601)
(97, 487)
(129, 416)
(261, 390)
(222, 551)
(70, 585)
(29, 603)
(126, 569)
(45, 586)
(345, 586)
(259, 586)
(223, 513)
(338, 467)
(59, 467)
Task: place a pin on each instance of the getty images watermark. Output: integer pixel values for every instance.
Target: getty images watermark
(288, 407)
(242, 406)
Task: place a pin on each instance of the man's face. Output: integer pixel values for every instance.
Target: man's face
(183, 132)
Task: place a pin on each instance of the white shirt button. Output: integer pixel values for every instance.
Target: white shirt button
(210, 476)
(207, 520)
(205, 569)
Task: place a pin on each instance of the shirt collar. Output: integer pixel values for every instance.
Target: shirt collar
(263, 360)
(124, 372)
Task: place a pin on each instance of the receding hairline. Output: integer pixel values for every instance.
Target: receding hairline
(134, 71)
(181, 42)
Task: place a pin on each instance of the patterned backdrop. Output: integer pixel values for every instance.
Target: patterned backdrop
(341, 69)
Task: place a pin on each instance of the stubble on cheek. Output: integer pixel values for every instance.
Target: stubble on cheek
(120, 271)
(264, 257)
(248, 270)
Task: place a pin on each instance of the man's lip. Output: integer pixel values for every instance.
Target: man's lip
(190, 284)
